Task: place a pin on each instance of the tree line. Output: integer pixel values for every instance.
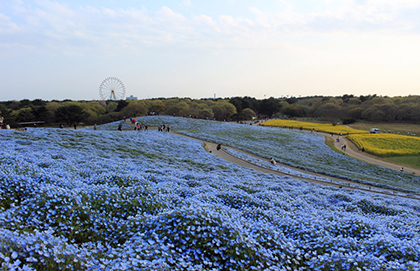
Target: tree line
(340, 109)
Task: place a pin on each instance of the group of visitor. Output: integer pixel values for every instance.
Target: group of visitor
(163, 127)
(140, 126)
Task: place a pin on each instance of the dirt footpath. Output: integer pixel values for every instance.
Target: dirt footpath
(352, 150)
(212, 148)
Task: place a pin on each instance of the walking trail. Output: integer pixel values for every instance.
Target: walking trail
(353, 151)
(211, 147)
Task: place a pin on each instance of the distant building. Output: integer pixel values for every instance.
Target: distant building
(131, 98)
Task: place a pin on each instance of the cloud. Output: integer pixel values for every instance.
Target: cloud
(56, 8)
(109, 12)
(204, 19)
(51, 26)
(167, 14)
(363, 16)
(7, 25)
(186, 3)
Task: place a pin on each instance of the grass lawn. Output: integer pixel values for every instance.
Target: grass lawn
(401, 128)
(408, 161)
(412, 161)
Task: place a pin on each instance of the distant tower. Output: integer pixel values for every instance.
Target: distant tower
(215, 96)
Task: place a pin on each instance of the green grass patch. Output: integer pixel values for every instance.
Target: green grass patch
(195, 164)
(330, 143)
(135, 152)
(397, 127)
(412, 161)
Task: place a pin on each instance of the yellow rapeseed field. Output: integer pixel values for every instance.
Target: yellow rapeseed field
(387, 144)
(322, 127)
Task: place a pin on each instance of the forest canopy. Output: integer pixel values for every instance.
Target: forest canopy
(341, 109)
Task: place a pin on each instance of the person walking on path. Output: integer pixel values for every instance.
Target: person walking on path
(273, 161)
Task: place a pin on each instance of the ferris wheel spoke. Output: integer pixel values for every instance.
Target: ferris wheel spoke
(112, 88)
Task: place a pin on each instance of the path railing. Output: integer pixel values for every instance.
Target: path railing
(340, 183)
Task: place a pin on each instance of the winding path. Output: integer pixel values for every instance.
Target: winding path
(211, 147)
(352, 151)
(317, 178)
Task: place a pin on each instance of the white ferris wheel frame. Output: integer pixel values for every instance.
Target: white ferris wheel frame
(112, 88)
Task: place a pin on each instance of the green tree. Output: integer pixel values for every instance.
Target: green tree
(347, 97)
(206, 113)
(157, 106)
(12, 105)
(40, 113)
(269, 107)
(356, 112)
(373, 114)
(25, 103)
(242, 103)
(52, 108)
(135, 108)
(24, 115)
(178, 108)
(330, 111)
(293, 110)
(223, 110)
(39, 102)
(111, 106)
(405, 110)
(121, 105)
(248, 114)
(71, 114)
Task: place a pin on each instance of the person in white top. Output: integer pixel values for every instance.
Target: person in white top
(272, 161)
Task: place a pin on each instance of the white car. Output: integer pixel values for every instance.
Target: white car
(374, 131)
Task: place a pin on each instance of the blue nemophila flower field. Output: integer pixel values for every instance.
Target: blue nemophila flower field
(292, 147)
(111, 200)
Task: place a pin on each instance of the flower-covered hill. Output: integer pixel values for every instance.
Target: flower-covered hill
(292, 147)
(133, 200)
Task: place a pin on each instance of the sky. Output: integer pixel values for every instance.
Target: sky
(54, 49)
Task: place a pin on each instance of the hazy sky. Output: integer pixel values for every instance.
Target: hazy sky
(198, 49)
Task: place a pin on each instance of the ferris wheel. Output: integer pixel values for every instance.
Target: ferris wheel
(112, 88)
